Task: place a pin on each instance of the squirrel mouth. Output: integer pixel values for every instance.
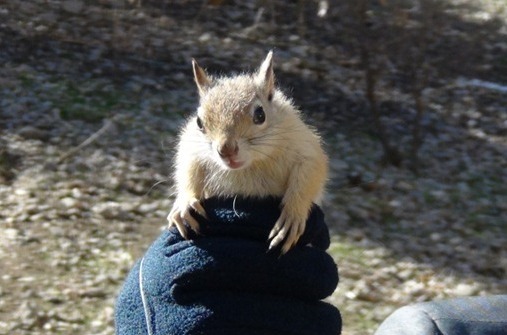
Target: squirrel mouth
(232, 164)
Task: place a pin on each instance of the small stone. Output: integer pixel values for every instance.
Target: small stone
(10, 233)
(148, 208)
(206, 37)
(403, 186)
(111, 211)
(73, 6)
(68, 202)
(77, 193)
(463, 290)
(166, 22)
(436, 237)
(41, 28)
(33, 133)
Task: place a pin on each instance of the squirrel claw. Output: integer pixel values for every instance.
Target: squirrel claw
(175, 220)
(197, 206)
(180, 214)
(288, 230)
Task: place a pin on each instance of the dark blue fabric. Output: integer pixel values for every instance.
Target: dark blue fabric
(224, 282)
(459, 316)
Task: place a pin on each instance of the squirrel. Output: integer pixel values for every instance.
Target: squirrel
(248, 139)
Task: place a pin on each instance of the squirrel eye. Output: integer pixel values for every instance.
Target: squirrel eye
(199, 124)
(259, 116)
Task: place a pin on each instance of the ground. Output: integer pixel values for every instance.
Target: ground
(75, 217)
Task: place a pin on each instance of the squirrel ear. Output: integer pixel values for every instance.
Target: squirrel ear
(266, 76)
(202, 80)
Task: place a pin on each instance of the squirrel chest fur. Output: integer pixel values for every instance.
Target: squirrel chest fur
(248, 139)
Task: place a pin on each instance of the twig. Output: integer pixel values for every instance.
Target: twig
(108, 123)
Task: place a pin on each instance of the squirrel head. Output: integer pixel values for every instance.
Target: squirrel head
(238, 115)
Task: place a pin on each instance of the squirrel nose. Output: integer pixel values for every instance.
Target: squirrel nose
(228, 150)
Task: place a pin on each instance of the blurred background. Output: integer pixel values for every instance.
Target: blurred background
(409, 95)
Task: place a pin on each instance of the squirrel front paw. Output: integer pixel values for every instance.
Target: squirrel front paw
(180, 213)
(289, 227)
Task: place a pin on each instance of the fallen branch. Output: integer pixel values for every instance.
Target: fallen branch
(108, 123)
(482, 84)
